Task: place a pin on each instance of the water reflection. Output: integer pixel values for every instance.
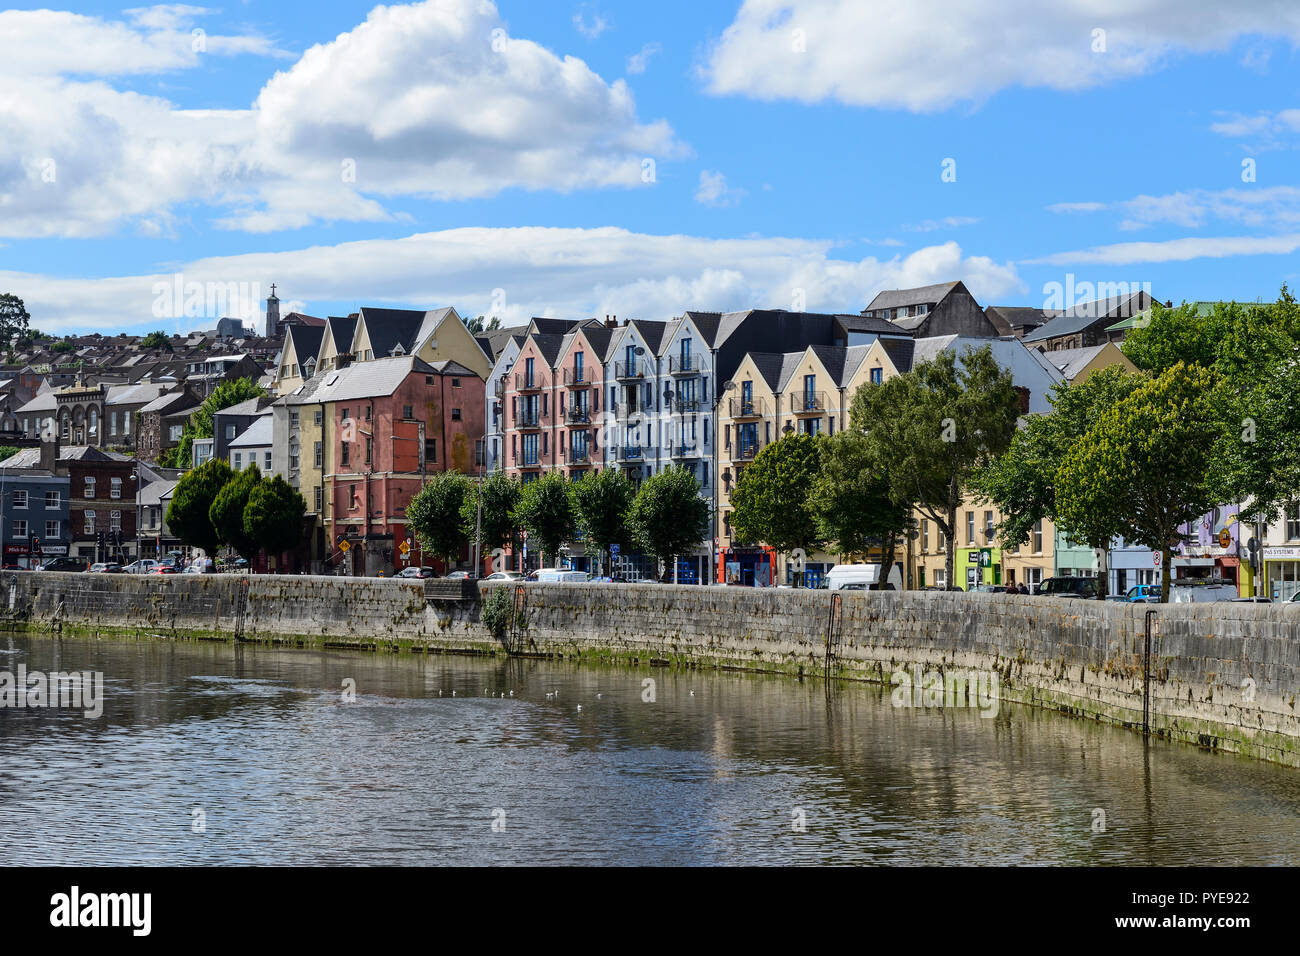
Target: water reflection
(582, 770)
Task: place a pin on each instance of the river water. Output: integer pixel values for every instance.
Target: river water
(212, 754)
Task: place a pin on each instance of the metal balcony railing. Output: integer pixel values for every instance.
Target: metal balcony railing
(689, 450)
(578, 416)
(525, 384)
(808, 403)
(624, 371)
(751, 408)
(580, 456)
(499, 389)
(631, 453)
(629, 409)
(683, 406)
(577, 377)
(532, 418)
(746, 450)
(684, 365)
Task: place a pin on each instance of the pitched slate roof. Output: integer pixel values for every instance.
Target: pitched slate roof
(388, 328)
(895, 298)
(306, 340)
(340, 328)
(548, 326)
(1019, 316)
(1071, 362)
(494, 343)
(369, 379)
(1086, 314)
(257, 434)
(166, 401)
(707, 323)
(866, 323)
(549, 346)
(769, 365)
(900, 352)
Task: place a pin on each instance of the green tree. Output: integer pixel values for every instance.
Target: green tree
(156, 340)
(546, 510)
(1146, 466)
(668, 516)
(600, 503)
(772, 498)
(498, 528)
(852, 503)
(1021, 483)
(200, 422)
(931, 429)
(13, 318)
(8, 451)
(434, 514)
(273, 516)
(187, 515)
(227, 512)
(62, 346)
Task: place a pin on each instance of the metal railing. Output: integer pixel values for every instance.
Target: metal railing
(684, 364)
(577, 377)
(525, 384)
(629, 370)
(808, 403)
(746, 450)
(631, 453)
(578, 416)
(747, 408)
(691, 450)
(532, 418)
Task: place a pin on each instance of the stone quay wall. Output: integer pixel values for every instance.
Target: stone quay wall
(1224, 676)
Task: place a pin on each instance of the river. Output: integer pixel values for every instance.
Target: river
(220, 754)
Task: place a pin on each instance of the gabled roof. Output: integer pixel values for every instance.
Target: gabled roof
(1070, 362)
(494, 343)
(922, 295)
(548, 326)
(306, 340)
(134, 394)
(866, 323)
(1019, 316)
(769, 366)
(374, 379)
(707, 324)
(550, 346)
(340, 329)
(900, 352)
(1086, 314)
(257, 434)
(389, 328)
(166, 401)
(249, 406)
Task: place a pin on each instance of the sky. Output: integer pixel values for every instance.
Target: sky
(161, 166)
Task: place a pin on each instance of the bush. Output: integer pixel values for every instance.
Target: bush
(497, 608)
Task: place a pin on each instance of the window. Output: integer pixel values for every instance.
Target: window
(318, 454)
(925, 535)
(988, 524)
(115, 487)
(112, 423)
(52, 530)
(320, 495)
(20, 498)
(20, 529)
(52, 499)
(230, 432)
(174, 432)
(369, 450)
(1293, 522)
(352, 495)
(293, 458)
(1038, 536)
(266, 460)
(90, 522)
(970, 527)
(239, 461)
(369, 409)
(319, 418)
(408, 411)
(942, 538)
(455, 383)
(347, 454)
(115, 521)
(455, 414)
(431, 448)
(347, 413)
(293, 419)
(877, 375)
(90, 486)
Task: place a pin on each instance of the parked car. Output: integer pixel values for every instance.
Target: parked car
(164, 569)
(839, 577)
(459, 575)
(1252, 600)
(63, 563)
(504, 576)
(562, 576)
(417, 573)
(141, 566)
(990, 588)
(1070, 587)
(105, 567)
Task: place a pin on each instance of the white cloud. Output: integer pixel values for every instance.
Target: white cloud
(1173, 250)
(544, 271)
(1276, 207)
(430, 100)
(1267, 131)
(931, 54)
(638, 62)
(590, 29)
(714, 191)
(947, 222)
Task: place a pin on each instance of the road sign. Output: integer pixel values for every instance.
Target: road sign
(613, 550)
(404, 548)
(1155, 558)
(345, 546)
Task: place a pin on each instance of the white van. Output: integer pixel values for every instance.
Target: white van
(862, 577)
(562, 576)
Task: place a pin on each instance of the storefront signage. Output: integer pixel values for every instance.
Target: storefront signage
(1281, 554)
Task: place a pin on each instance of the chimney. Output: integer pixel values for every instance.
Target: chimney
(49, 453)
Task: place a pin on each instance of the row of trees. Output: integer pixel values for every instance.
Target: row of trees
(664, 517)
(214, 505)
(916, 442)
(1209, 417)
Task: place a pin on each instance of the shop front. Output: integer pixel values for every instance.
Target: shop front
(747, 567)
(1281, 572)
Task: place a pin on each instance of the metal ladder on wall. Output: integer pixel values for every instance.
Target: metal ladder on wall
(241, 608)
(518, 608)
(834, 630)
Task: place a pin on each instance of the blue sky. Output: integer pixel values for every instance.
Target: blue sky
(797, 150)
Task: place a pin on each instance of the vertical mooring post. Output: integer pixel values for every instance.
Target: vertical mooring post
(1146, 673)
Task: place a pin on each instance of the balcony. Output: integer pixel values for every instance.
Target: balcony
(532, 418)
(808, 403)
(684, 365)
(629, 371)
(523, 383)
(685, 406)
(625, 410)
(682, 452)
(579, 457)
(746, 450)
(741, 409)
(499, 389)
(631, 453)
(577, 377)
(577, 416)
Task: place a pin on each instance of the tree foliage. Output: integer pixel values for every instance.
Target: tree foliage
(188, 514)
(852, 503)
(1146, 465)
(14, 318)
(546, 510)
(771, 500)
(156, 340)
(201, 421)
(500, 494)
(434, 514)
(227, 512)
(600, 505)
(931, 429)
(273, 515)
(668, 516)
